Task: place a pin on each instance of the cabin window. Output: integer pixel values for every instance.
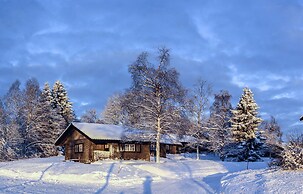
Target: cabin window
(122, 147)
(78, 148)
(167, 147)
(81, 147)
(106, 147)
(130, 148)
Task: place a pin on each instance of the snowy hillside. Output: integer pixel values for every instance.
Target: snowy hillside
(176, 174)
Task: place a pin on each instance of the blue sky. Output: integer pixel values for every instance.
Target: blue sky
(89, 44)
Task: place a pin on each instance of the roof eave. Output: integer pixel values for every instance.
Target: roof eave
(56, 142)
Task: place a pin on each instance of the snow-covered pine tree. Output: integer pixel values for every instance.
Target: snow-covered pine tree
(219, 121)
(245, 122)
(62, 102)
(48, 126)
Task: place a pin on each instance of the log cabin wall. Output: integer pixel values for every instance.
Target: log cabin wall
(173, 149)
(141, 152)
(77, 147)
(105, 149)
(162, 150)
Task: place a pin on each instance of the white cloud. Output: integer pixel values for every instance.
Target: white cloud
(289, 95)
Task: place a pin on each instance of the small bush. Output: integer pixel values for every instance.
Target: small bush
(292, 155)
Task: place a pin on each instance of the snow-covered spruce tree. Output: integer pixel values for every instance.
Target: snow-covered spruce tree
(292, 155)
(157, 94)
(47, 127)
(62, 102)
(245, 122)
(219, 121)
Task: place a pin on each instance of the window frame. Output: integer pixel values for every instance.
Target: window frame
(167, 147)
(130, 147)
(106, 147)
(79, 148)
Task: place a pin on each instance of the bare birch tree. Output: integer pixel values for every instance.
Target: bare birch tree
(113, 112)
(156, 94)
(199, 104)
(90, 116)
(219, 121)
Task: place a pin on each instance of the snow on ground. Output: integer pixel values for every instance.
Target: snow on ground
(263, 181)
(175, 174)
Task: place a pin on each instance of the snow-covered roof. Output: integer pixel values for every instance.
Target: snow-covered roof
(149, 136)
(188, 139)
(138, 135)
(170, 139)
(100, 131)
(116, 132)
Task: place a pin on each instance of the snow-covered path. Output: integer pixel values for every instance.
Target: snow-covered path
(175, 175)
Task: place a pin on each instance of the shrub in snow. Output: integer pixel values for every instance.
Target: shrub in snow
(292, 155)
(270, 134)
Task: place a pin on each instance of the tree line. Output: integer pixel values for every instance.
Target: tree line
(156, 100)
(31, 119)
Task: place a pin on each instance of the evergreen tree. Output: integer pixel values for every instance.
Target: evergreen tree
(244, 125)
(48, 126)
(245, 120)
(62, 103)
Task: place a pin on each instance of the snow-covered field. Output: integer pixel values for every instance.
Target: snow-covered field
(176, 174)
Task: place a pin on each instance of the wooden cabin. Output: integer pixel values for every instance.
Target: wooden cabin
(89, 142)
(169, 143)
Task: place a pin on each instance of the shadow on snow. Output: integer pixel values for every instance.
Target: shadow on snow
(29, 182)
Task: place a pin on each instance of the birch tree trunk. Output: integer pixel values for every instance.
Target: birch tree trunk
(198, 154)
(158, 148)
